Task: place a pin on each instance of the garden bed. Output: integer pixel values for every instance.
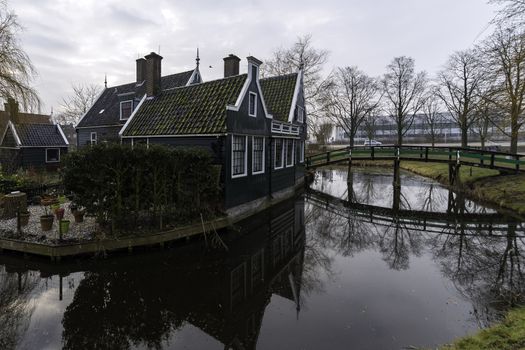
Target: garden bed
(32, 232)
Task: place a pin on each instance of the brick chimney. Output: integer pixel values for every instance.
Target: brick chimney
(231, 65)
(11, 108)
(153, 74)
(141, 70)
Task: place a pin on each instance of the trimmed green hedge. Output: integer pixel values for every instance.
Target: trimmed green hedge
(131, 190)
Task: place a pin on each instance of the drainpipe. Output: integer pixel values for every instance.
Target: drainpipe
(270, 168)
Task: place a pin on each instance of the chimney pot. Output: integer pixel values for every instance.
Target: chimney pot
(231, 65)
(153, 74)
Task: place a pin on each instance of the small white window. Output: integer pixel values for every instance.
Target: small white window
(258, 155)
(93, 138)
(126, 107)
(52, 155)
(289, 152)
(278, 153)
(239, 155)
(300, 114)
(252, 104)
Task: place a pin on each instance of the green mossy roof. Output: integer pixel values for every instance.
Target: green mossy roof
(278, 94)
(195, 109)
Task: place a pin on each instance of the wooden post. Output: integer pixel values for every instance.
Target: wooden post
(517, 163)
(373, 154)
(426, 154)
(492, 160)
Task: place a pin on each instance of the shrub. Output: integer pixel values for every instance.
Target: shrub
(142, 187)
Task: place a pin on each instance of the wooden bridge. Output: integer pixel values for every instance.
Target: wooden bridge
(455, 219)
(451, 155)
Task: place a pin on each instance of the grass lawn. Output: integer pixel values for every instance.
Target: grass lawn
(507, 335)
(439, 171)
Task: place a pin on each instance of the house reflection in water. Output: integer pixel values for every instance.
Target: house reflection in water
(144, 300)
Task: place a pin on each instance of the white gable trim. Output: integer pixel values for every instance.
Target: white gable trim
(94, 103)
(7, 127)
(244, 90)
(295, 96)
(15, 134)
(62, 133)
(121, 132)
(195, 72)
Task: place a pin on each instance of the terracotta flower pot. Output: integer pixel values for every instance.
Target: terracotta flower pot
(59, 213)
(24, 218)
(46, 222)
(79, 215)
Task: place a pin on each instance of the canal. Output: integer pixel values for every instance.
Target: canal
(350, 264)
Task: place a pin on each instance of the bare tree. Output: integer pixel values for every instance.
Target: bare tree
(16, 69)
(312, 60)
(432, 115)
(323, 134)
(505, 52)
(511, 14)
(353, 96)
(370, 126)
(459, 83)
(404, 91)
(74, 106)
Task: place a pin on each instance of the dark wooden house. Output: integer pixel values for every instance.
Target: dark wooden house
(103, 121)
(29, 140)
(254, 128)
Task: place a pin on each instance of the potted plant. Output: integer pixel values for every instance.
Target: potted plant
(46, 220)
(24, 217)
(59, 213)
(64, 227)
(79, 215)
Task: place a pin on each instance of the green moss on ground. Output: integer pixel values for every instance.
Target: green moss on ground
(508, 335)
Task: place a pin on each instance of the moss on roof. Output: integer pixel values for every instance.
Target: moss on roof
(278, 94)
(195, 109)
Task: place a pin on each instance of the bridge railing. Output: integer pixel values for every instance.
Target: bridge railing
(467, 156)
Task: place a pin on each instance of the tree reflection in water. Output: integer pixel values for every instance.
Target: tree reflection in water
(15, 305)
(485, 266)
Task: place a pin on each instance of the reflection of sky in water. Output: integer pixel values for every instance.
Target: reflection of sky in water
(362, 285)
(373, 186)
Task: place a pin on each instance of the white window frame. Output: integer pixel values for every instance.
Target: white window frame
(91, 138)
(249, 104)
(301, 152)
(275, 153)
(286, 153)
(263, 155)
(300, 114)
(121, 103)
(245, 173)
(53, 161)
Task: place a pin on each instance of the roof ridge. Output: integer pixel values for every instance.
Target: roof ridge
(134, 83)
(279, 76)
(205, 83)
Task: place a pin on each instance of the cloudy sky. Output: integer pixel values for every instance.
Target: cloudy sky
(78, 41)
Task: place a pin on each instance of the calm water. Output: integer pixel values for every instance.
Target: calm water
(365, 268)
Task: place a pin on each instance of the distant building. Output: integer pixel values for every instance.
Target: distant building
(446, 131)
(29, 140)
(254, 128)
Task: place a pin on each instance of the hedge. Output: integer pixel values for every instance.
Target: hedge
(137, 189)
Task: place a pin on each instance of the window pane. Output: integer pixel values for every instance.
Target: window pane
(252, 103)
(238, 155)
(289, 152)
(258, 154)
(52, 155)
(278, 153)
(126, 109)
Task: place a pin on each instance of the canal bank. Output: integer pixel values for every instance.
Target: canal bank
(102, 246)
